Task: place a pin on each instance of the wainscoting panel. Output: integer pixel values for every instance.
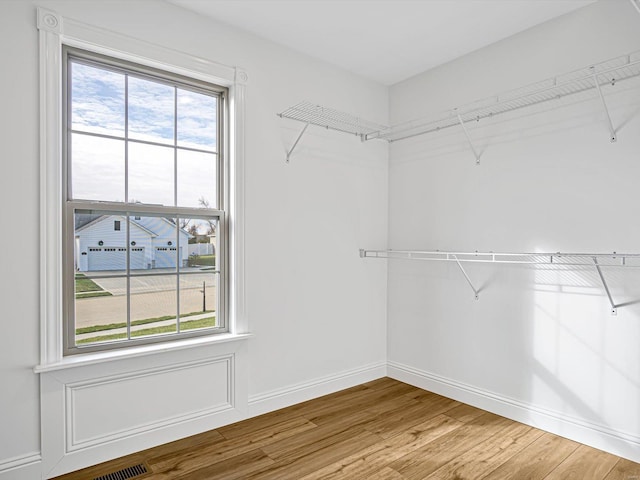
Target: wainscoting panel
(113, 408)
(94, 413)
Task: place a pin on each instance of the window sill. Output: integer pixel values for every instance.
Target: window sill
(93, 358)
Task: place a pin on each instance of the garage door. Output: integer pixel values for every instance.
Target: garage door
(114, 258)
(137, 258)
(166, 257)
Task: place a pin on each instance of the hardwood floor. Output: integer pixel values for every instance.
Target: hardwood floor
(382, 430)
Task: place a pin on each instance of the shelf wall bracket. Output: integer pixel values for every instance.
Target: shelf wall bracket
(612, 131)
(295, 144)
(466, 132)
(614, 307)
(475, 291)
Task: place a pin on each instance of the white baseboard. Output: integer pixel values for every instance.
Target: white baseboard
(64, 460)
(598, 436)
(28, 467)
(301, 392)
(25, 467)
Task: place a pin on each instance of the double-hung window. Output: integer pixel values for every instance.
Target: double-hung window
(145, 224)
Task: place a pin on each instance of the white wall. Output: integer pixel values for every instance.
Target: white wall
(538, 345)
(317, 312)
(548, 181)
(19, 346)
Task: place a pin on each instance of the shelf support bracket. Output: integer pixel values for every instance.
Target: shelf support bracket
(295, 144)
(475, 291)
(614, 307)
(466, 132)
(612, 131)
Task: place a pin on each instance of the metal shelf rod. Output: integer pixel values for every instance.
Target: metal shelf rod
(540, 95)
(557, 259)
(579, 81)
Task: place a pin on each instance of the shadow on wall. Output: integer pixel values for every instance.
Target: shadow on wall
(575, 359)
(573, 113)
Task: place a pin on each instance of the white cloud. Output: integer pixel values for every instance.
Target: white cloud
(98, 106)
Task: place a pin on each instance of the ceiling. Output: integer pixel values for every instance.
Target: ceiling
(383, 40)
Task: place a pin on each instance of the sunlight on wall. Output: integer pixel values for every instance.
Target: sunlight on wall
(582, 356)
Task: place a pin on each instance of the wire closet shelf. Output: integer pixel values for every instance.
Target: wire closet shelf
(548, 260)
(593, 77)
(551, 259)
(331, 119)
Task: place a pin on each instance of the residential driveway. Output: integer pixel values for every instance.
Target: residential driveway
(192, 278)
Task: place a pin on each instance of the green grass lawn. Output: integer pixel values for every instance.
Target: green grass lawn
(93, 294)
(87, 288)
(202, 260)
(113, 326)
(84, 284)
(186, 325)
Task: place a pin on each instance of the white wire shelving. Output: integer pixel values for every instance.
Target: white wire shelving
(596, 261)
(591, 78)
(330, 119)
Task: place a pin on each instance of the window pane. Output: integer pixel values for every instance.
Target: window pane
(197, 126)
(97, 168)
(153, 305)
(100, 248)
(202, 244)
(97, 100)
(199, 281)
(101, 309)
(151, 174)
(197, 179)
(151, 111)
(156, 241)
(198, 301)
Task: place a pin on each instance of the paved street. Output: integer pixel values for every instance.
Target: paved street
(152, 296)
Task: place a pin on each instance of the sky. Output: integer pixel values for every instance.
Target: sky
(172, 118)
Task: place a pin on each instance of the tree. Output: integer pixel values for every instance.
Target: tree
(193, 231)
(204, 203)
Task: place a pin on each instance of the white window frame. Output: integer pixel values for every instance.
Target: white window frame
(54, 32)
(218, 214)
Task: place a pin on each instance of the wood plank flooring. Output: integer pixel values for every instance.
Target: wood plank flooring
(381, 430)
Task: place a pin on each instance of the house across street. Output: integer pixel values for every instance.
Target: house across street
(102, 242)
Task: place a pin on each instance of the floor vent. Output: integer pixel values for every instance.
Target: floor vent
(125, 473)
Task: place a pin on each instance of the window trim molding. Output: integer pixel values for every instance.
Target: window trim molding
(73, 56)
(54, 31)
